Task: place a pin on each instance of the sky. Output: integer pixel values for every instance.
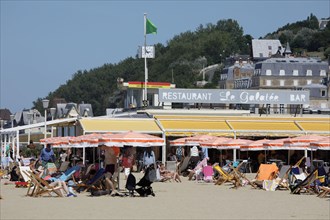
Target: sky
(43, 43)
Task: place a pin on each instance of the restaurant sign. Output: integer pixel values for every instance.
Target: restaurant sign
(234, 96)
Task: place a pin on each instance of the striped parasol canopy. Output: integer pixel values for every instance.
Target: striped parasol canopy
(214, 143)
(255, 145)
(323, 144)
(198, 139)
(131, 138)
(178, 142)
(276, 144)
(233, 144)
(302, 142)
(58, 142)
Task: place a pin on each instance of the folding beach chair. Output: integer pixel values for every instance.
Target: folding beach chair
(226, 177)
(324, 191)
(208, 174)
(307, 184)
(283, 177)
(93, 183)
(265, 172)
(68, 174)
(42, 187)
(184, 165)
(171, 166)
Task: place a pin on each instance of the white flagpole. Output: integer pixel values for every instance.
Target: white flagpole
(145, 95)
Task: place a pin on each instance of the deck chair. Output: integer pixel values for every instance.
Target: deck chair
(226, 177)
(50, 169)
(42, 187)
(93, 183)
(265, 172)
(306, 184)
(171, 166)
(26, 178)
(243, 179)
(184, 165)
(208, 174)
(283, 177)
(68, 174)
(324, 191)
(64, 166)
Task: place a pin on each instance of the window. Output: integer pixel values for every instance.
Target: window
(282, 82)
(282, 72)
(309, 81)
(322, 73)
(295, 82)
(323, 92)
(268, 72)
(269, 47)
(268, 83)
(295, 72)
(281, 108)
(308, 72)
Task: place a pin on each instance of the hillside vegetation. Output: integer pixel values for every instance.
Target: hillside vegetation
(185, 55)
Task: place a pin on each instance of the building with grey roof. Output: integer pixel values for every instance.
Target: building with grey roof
(294, 74)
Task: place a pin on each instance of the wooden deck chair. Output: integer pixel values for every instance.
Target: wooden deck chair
(50, 168)
(208, 174)
(42, 187)
(1, 174)
(305, 184)
(226, 177)
(184, 165)
(68, 174)
(25, 177)
(93, 183)
(243, 178)
(324, 191)
(283, 177)
(171, 166)
(64, 166)
(265, 172)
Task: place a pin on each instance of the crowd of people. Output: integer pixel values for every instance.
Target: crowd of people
(126, 160)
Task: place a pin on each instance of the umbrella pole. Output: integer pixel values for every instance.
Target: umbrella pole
(84, 156)
(118, 179)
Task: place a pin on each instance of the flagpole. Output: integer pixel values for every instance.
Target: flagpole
(145, 95)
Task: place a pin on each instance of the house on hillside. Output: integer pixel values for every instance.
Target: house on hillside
(264, 49)
(323, 22)
(291, 74)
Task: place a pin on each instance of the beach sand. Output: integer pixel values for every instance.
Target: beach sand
(186, 200)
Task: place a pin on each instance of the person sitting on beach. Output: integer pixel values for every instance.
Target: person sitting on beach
(198, 169)
(57, 184)
(168, 175)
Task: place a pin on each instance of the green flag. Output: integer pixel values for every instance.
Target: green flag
(150, 27)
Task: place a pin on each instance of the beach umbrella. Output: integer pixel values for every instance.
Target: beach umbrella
(233, 144)
(276, 144)
(323, 144)
(178, 142)
(198, 139)
(131, 138)
(214, 143)
(302, 142)
(58, 142)
(255, 145)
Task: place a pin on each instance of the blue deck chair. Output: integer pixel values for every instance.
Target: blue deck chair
(91, 183)
(66, 175)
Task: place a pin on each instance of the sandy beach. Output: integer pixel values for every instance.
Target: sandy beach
(186, 200)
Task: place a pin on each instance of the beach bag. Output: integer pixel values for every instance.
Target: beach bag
(99, 192)
(153, 175)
